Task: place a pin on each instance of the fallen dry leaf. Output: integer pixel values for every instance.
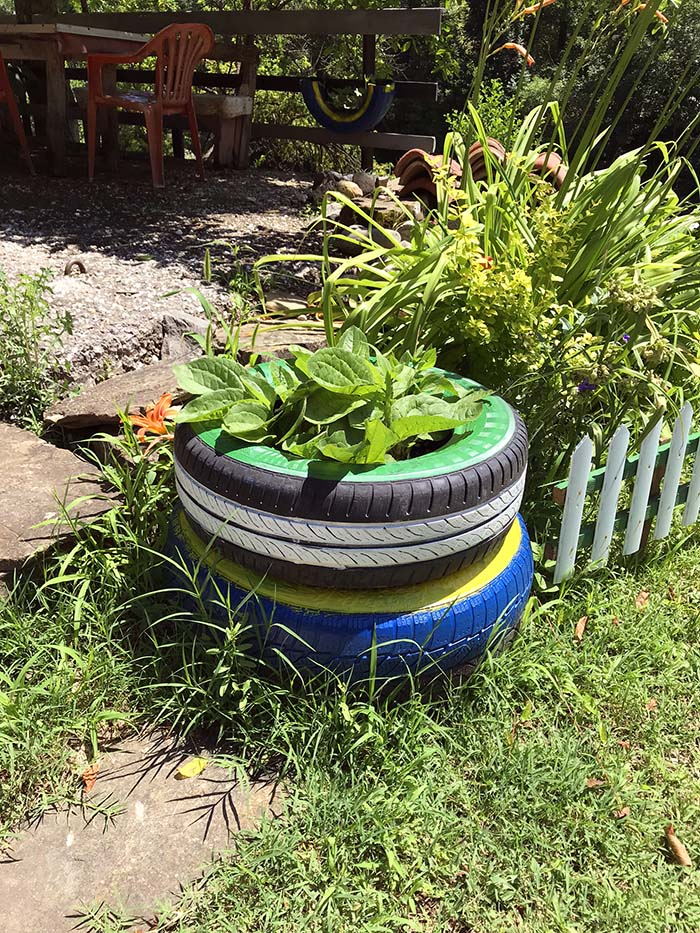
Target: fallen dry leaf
(580, 628)
(624, 743)
(621, 814)
(89, 776)
(652, 704)
(595, 782)
(641, 599)
(616, 620)
(191, 769)
(678, 851)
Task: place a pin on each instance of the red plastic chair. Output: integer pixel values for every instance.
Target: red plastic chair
(178, 50)
(7, 97)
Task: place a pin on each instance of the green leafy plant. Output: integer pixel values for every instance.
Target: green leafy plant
(32, 374)
(348, 403)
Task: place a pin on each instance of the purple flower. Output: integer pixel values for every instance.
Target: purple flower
(625, 338)
(586, 386)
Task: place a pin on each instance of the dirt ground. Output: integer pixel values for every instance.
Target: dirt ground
(138, 246)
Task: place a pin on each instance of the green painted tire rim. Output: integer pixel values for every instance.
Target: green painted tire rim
(469, 445)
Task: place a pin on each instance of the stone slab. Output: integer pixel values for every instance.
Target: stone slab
(38, 480)
(98, 405)
(140, 834)
(270, 341)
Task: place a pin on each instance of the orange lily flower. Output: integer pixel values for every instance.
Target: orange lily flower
(642, 6)
(520, 49)
(535, 7)
(154, 421)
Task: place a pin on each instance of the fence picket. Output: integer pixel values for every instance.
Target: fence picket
(614, 474)
(642, 488)
(674, 468)
(692, 504)
(573, 508)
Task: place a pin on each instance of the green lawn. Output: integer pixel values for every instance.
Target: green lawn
(473, 812)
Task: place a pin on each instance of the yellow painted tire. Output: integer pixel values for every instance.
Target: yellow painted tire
(442, 623)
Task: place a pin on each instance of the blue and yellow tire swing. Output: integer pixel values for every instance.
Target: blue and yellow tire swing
(370, 110)
(406, 567)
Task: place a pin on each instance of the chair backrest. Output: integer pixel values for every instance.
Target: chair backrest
(178, 49)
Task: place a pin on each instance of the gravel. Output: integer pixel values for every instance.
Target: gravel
(138, 246)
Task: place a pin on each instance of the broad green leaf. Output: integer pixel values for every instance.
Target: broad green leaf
(301, 357)
(404, 378)
(338, 446)
(379, 439)
(283, 378)
(470, 406)
(303, 445)
(369, 411)
(245, 418)
(209, 375)
(418, 425)
(340, 371)
(289, 420)
(427, 361)
(354, 340)
(323, 407)
(421, 405)
(261, 390)
(211, 406)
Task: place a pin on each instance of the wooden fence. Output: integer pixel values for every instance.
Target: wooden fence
(653, 478)
(246, 25)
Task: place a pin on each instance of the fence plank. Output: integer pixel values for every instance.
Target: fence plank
(692, 503)
(674, 468)
(612, 483)
(573, 509)
(392, 22)
(642, 487)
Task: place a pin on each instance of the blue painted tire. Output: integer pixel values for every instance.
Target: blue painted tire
(442, 624)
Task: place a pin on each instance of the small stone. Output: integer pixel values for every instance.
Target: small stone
(349, 189)
(38, 482)
(351, 242)
(388, 238)
(405, 230)
(365, 182)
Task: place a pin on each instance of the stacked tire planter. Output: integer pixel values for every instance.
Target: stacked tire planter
(382, 570)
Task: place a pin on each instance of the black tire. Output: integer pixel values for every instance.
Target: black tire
(342, 500)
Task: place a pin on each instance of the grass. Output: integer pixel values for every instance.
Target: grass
(469, 811)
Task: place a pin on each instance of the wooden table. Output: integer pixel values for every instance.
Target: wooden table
(54, 43)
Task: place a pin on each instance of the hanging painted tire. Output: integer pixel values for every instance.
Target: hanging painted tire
(391, 525)
(442, 624)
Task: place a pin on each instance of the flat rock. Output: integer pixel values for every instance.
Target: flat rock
(282, 303)
(384, 210)
(38, 481)
(140, 834)
(98, 405)
(272, 341)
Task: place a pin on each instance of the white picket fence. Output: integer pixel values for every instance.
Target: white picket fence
(655, 472)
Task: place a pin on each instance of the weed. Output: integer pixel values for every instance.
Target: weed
(32, 374)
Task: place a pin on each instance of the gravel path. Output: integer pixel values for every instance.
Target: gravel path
(137, 246)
